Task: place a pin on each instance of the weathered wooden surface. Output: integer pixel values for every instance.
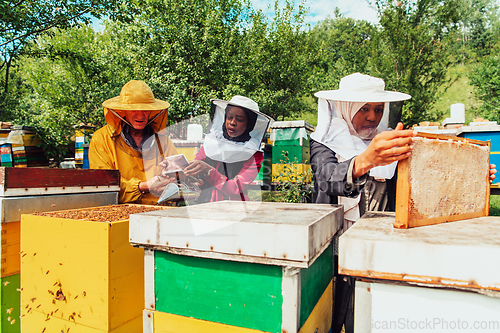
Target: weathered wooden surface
(21, 178)
(464, 254)
(11, 208)
(257, 232)
(445, 179)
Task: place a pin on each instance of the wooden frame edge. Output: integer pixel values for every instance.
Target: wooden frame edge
(402, 195)
(488, 187)
(444, 219)
(453, 138)
(403, 190)
(415, 278)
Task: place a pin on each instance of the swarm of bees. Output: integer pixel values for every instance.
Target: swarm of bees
(100, 214)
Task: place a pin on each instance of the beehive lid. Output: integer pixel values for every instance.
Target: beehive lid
(263, 232)
(462, 254)
(478, 128)
(444, 131)
(11, 208)
(48, 181)
(293, 124)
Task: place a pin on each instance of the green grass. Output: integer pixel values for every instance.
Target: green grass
(458, 90)
(495, 205)
(266, 196)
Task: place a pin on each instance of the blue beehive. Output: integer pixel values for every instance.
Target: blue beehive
(485, 133)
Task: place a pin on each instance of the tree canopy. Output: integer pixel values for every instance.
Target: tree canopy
(23, 21)
(56, 70)
(411, 51)
(486, 78)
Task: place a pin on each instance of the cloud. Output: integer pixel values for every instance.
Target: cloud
(320, 9)
(262, 4)
(356, 9)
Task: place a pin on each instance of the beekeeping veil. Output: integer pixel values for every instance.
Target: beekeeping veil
(136, 95)
(336, 109)
(219, 147)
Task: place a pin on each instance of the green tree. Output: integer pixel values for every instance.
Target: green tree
(486, 78)
(480, 26)
(65, 78)
(276, 59)
(412, 51)
(22, 21)
(478, 30)
(184, 50)
(344, 48)
(189, 53)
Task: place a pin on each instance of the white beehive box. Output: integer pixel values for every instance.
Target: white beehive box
(256, 266)
(463, 254)
(243, 231)
(445, 271)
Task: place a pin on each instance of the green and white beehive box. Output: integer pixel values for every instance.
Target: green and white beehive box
(238, 267)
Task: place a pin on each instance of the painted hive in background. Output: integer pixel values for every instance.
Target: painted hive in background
(445, 179)
(485, 133)
(290, 151)
(80, 274)
(26, 147)
(240, 267)
(295, 173)
(6, 155)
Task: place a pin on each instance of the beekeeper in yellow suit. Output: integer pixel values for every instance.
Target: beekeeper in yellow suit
(134, 141)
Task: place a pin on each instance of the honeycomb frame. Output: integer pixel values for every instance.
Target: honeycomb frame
(445, 179)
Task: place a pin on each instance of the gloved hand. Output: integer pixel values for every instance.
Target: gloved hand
(197, 168)
(156, 184)
(163, 164)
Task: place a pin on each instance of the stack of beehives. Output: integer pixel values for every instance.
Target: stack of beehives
(26, 147)
(40, 189)
(291, 152)
(5, 147)
(83, 136)
(229, 266)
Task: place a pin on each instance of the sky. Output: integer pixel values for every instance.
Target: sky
(320, 9)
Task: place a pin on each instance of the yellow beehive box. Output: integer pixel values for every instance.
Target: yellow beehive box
(79, 274)
(189, 152)
(28, 140)
(10, 247)
(295, 173)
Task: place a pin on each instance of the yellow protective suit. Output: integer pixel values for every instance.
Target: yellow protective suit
(108, 150)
